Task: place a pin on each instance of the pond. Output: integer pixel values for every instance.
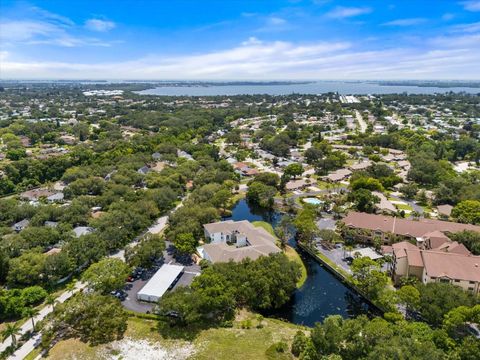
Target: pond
(322, 295)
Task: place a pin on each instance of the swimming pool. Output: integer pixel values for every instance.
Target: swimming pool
(313, 201)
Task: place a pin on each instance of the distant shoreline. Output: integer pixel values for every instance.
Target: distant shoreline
(208, 83)
(439, 84)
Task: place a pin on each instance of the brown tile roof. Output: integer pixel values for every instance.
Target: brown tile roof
(445, 209)
(401, 226)
(35, 194)
(453, 266)
(453, 247)
(296, 184)
(400, 248)
(436, 239)
(414, 258)
(386, 249)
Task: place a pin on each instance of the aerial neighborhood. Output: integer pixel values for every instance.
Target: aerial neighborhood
(218, 212)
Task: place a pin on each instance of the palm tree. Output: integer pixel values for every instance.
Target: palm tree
(347, 248)
(11, 330)
(31, 312)
(71, 287)
(283, 231)
(50, 300)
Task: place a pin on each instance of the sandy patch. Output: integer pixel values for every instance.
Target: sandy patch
(130, 349)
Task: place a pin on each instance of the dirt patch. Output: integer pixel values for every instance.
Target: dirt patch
(130, 349)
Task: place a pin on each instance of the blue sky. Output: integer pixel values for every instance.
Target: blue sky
(251, 40)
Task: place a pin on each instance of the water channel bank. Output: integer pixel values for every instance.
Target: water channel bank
(323, 294)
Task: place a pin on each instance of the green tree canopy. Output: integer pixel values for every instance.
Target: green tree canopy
(106, 275)
(92, 318)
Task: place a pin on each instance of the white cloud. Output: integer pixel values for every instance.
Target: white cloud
(341, 12)
(36, 32)
(405, 22)
(42, 27)
(448, 16)
(454, 57)
(473, 5)
(466, 28)
(3, 55)
(52, 17)
(276, 21)
(252, 40)
(24, 30)
(99, 25)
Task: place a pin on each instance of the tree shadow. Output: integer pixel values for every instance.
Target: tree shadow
(189, 332)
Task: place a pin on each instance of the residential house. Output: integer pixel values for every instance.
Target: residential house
(36, 194)
(384, 205)
(297, 184)
(57, 197)
(245, 170)
(338, 175)
(82, 230)
(19, 226)
(184, 154)
(68, 139)
(363, 165)
(144, 170)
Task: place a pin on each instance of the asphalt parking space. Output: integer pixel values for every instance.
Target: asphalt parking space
(132, 288)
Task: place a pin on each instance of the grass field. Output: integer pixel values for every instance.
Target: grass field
(264, 225)
(218, 343)
(294, 256)
(404, 207)
(289, 251)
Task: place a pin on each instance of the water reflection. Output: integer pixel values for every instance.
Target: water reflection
(322, 294)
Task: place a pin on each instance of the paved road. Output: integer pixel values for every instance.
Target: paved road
(362, 123)
(28, 347)
(326, 223)
(27, 326)
(335, 255)
(414, 206)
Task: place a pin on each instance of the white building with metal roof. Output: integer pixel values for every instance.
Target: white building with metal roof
(158, 285)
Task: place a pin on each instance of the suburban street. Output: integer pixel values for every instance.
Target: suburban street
(27, 326)
(28, 346)
(361, 122)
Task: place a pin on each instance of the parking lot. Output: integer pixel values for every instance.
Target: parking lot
(337, 254)
(130, 301)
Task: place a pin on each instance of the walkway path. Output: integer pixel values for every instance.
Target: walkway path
(27, 326)
(28, 347)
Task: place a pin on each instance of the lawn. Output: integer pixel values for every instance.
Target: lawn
(237, 343)
(323, 185)
(289, 251)
(236, 198)
(293, 255)
(264, 225)
(216, 343)
(404, 207)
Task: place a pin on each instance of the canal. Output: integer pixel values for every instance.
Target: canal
(322, 295)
